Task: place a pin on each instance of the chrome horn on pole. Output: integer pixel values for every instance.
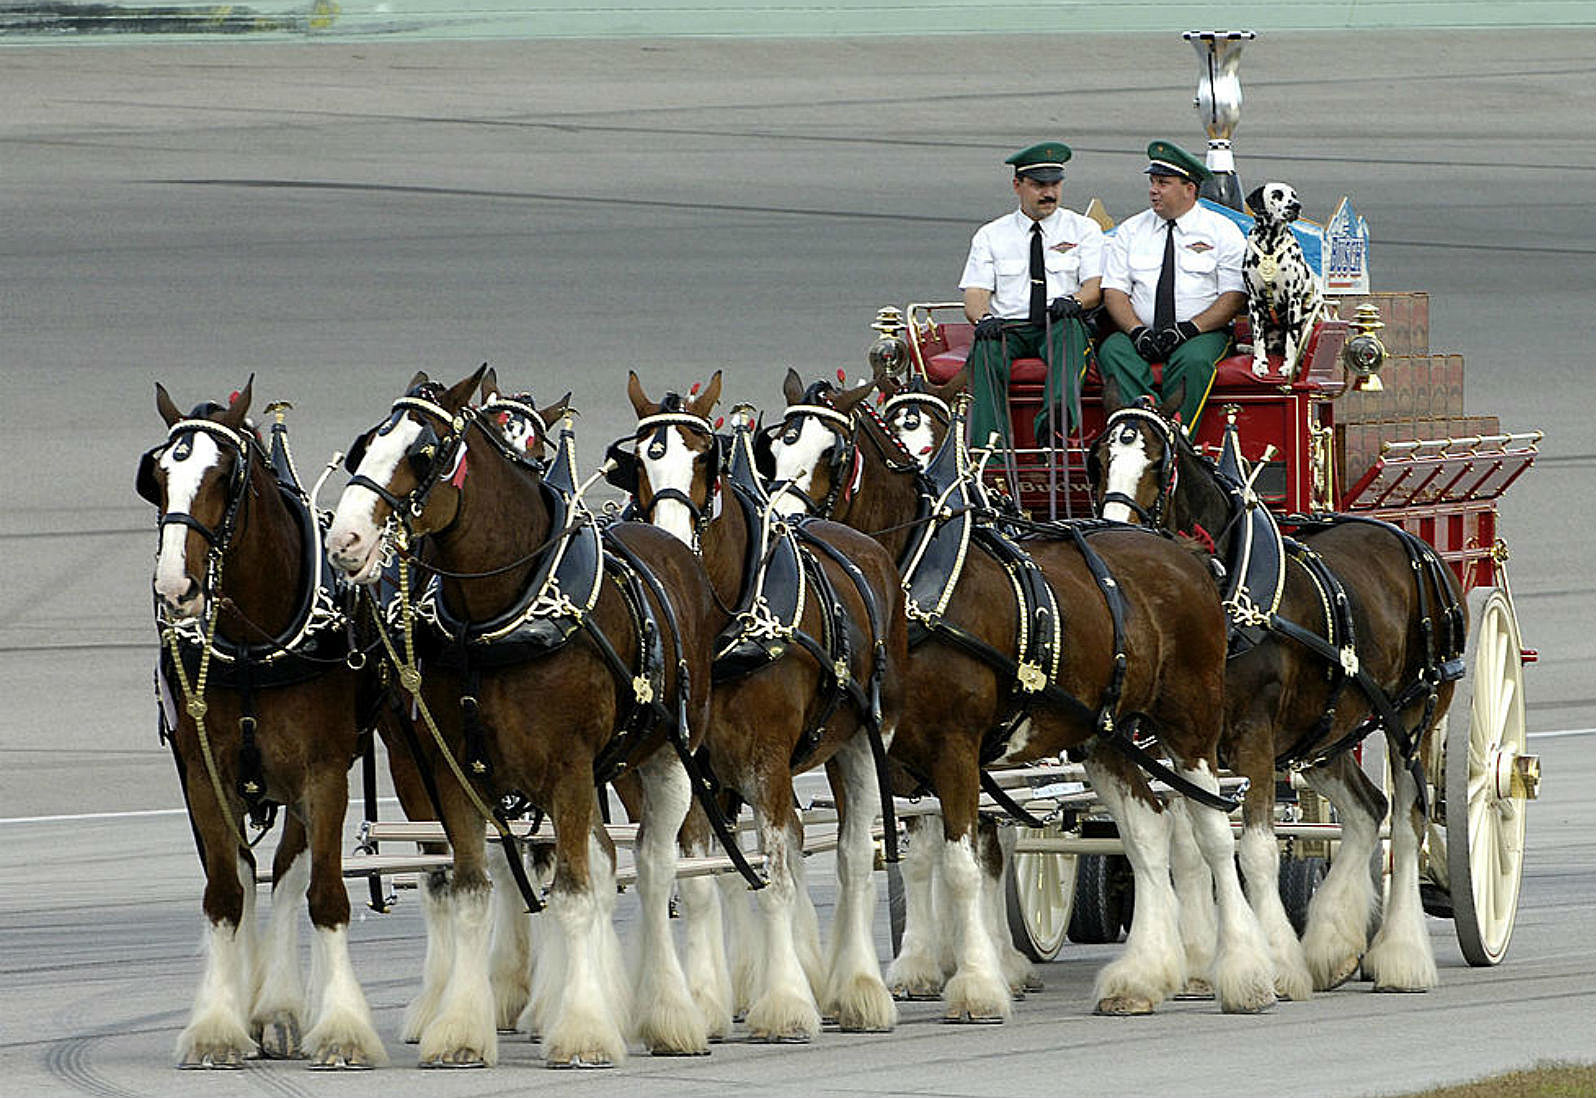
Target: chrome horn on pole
(1219, 102)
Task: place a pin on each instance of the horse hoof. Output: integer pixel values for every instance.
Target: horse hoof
(1341, 974)
(1032, 982)
(1125, 1006)
(280, 1038)
(459, 1058)
(339, 1061)
(759, 1037)
(965, 1018)
(678, 1052)
(1392, 989)
(230, 1059)
(589, 1062)
(1196, 988)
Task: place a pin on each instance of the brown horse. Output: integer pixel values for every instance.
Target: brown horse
(1119, 628)
(792, 609)
(253, 649)
(1359, 625)
(609, 664)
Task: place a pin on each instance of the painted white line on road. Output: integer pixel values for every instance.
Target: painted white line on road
(1564, 732)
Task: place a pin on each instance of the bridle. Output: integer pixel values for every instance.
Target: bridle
(653, 431)
(1124, 421)
(846, 466)
(180, 436)
(520, 406)
(432, 457)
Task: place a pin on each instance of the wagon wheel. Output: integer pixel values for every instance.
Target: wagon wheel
(1102, 895)
(1300, 878)
(1039, 896)
(1489, 777)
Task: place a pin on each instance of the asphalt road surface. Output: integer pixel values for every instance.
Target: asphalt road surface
(333, 218)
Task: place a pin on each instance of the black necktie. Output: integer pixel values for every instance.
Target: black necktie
(1164, 299)
(1038, 277)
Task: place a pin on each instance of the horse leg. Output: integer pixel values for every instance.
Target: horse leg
(277, 1011)
(1243, 973)
(805, 919)
(856, 995)
(587, 1020)
(1016, 966)
(1153, 965)
(977, 992)
(342, 1034)
(1341, 911)
(709, 980)
(784, 1009)
(461, 1032)
(510, 954)
(437, 916)
(546, 946)
(1260, 862)
(1194, 887)
(217, 1034)
(918, 971)
(1401, 958)
(667, 1020)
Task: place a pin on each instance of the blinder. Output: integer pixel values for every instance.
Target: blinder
(623, 473)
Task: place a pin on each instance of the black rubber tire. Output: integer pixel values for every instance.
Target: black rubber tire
(895, 905)
(1101, 896)
(1300, 878)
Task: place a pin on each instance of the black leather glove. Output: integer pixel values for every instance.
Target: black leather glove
(1173, 336)
(1062, 308)
(1146, 343)
(988, 327)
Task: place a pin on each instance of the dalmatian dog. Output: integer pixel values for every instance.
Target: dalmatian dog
(1283, 299)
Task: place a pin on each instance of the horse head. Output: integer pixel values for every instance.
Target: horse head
(671, 463)
(521, 423)
(407, 471)
(918, 412)
(199, 480)
(811, 458)
(1134, 465)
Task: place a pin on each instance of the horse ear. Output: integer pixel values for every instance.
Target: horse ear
(552, 413)
(792, 387)
(163, 404)
(459, 394)
(1255, 201)
(420, 379)
(640, 402)
(1173, 400)
(706, 400)
(490, 384)
(1113, 399)
(955, 385)
(239, 408)
(846, 402)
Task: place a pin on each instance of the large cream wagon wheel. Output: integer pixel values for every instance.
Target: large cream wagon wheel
(1039, 896)
(1489, 778)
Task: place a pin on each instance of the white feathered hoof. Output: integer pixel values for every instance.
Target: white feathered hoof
(915, 979)
(1246, 993)
(973, 1000)
(1400, 972)
(279, 1036)
(782, 1019)
(1126, 1005)
(348, 1043)
(865, 1006)
(1292, 981)
(214, 1044)
(674, 1032)
(575, 1044)
(455, 1058)
(1336, 973)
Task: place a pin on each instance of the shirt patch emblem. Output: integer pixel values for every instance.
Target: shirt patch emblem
(1063, 246)
(1200, 246)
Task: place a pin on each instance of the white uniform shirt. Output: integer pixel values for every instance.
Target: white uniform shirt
(1208, 253)
(1000, 259)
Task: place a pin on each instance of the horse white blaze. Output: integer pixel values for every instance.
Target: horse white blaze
(1127, 464)
(185, 467)
(354, 538)
(674, 471)
(914, 431)
(797, 461)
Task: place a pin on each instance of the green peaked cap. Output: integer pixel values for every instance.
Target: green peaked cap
(1043, 163)
(1168, 158)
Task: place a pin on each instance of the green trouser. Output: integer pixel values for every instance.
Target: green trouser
(1192, 362)
(989, 364)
